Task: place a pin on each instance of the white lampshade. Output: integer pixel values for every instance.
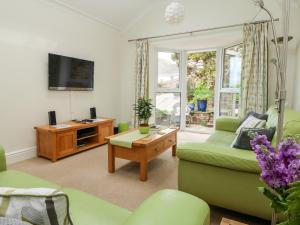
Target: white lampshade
(174, 12)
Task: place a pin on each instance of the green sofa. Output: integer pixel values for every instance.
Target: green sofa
(228, 177)
(162, 208)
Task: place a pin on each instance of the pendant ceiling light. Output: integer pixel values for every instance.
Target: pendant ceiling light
(174, 12)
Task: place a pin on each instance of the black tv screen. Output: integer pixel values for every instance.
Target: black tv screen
(66, 73)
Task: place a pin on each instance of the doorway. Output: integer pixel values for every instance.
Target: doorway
(200, 86)
(193, 88)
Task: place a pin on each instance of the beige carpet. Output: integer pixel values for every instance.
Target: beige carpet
(87, 171)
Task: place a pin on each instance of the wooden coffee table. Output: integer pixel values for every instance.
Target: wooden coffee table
(143, 150)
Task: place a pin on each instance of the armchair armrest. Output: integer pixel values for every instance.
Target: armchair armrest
(230, 124)
(171, 207)
(2, 159)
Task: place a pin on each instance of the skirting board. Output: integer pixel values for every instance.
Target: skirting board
(20, 155)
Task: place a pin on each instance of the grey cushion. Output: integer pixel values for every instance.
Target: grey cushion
(10, 221)
(256, 115)
(243, 139)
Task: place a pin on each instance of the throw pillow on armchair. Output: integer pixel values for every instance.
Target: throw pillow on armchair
(36, 205)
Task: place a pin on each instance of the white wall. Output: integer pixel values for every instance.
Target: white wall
(29, 30)
(201, 14)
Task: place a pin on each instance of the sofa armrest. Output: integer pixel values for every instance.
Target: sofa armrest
(2, 159)
(171, 207)
(230, 124)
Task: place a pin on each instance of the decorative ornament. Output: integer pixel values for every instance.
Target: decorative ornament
(174, 12)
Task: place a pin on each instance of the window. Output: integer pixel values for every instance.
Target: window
(231, 81)
(168, 70)
(168, 94)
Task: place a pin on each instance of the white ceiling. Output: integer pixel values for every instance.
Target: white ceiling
(116, 13)
(121, 14)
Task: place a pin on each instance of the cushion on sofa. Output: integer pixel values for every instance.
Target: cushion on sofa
(35, 205)
(292, 129)
(251, 122)
(242, 141)
(289, 116)
(256, 115)
(88, 209)
(220, 156)
(16, 179)
(230, 124)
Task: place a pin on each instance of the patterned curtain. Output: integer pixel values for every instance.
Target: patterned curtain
(254, 85)
(142, 72)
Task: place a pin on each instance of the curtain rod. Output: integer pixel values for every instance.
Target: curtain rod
(202, 30)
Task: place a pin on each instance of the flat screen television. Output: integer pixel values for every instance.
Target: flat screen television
(67, 73)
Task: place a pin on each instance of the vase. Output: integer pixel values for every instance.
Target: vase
(202, 104)
(144, 129)
(191, 106)
(274, 218)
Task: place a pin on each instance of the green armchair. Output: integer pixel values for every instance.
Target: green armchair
(164, 207)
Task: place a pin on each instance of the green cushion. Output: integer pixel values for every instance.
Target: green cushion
(230, 124)
(220, 156)
(223, 138)
(170, 207)
(18, 179)
(88, 209)
(292, 129)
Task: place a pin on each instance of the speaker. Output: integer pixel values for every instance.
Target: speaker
(52, 118)
(93, 113)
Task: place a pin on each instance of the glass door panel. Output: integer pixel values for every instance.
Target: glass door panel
(168, 70)
(167, 112)
(229, 103)
(168, 91)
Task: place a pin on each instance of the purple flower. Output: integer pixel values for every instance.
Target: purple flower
(281, 168)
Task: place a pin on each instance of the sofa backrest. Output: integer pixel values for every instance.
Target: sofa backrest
(2, 159)
(291, 124)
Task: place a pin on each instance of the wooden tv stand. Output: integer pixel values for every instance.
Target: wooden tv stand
(55, 143)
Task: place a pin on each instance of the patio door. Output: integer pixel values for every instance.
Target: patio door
(168, 90)
(178, 75)
(200, 86)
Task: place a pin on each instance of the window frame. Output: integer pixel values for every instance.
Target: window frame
(180, 90)
(221, 88)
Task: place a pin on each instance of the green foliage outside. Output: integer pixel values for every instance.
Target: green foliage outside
(201, 92)
(143, 110)
(201, 71)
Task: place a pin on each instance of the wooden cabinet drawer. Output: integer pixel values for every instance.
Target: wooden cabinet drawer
(155, 150)
(170, 141)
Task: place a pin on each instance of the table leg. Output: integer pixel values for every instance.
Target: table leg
(111, 159)
(174, 148)
(143, 170)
